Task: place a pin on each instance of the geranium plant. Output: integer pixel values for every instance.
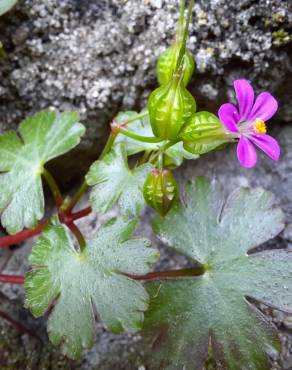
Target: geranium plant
(184, 314)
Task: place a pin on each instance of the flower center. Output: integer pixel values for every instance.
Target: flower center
(260, 126)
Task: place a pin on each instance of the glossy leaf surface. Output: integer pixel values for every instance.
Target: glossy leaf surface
(113, 182)
(40, 138)
(78, 284)
(187, 315)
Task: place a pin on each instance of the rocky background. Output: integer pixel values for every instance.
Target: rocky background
(98, 57)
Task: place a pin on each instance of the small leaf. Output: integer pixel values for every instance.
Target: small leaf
(113, 181)
(203, 133)
(187, 315)
(6, 5)
(42, 137)
(77, 284)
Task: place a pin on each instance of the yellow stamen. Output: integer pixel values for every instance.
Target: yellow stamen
(260, 126)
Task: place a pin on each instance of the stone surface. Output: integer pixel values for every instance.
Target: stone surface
(98, 57)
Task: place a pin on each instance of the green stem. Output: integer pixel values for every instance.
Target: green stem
(185, 36)
(144, 139)
(110, 141)
(78, 235)
(138, 116)
(144, 158)
(54, 187)
(169, 145)
(180, 28)
(162, 150)
(84, 187)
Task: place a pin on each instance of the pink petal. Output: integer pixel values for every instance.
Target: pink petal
(229, 116)
(267, 144)
(246, 153)
(245, 97)
(264, 108)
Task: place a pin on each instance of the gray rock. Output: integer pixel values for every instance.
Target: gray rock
(98, 57)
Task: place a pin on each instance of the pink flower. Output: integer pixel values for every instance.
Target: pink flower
(248, 123)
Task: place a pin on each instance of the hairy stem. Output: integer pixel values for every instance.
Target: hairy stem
(78, 235)
(180, 28)
(110, 142)
(185, 35)
(196, 271)
(54, 187)
(144, 158)
(80, 214)
(84, 187)
(18, 325)
(82, 190)
(155, 156)
(145, 139)
(6, 241)
(138, 116)
(12, 279)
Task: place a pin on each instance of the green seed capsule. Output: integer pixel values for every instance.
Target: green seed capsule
(167, 63)
(204, 132)
(160, 190)
(170, 107)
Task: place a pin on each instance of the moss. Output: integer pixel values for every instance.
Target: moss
(275, 21)
(281, 37)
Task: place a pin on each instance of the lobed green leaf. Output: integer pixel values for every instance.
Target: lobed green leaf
(189, 316)
(42, 137)
(78, 284)
(113, 182)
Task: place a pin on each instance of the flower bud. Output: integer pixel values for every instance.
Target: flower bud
(167, 63)
(170, 107)
(160, 190)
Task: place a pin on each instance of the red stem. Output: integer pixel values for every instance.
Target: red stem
(18, 325)
(78, 235)
(6, 241)
(195, 271)
(12, 279)
(80, 214)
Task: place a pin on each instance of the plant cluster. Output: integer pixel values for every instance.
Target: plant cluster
(187, 313)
